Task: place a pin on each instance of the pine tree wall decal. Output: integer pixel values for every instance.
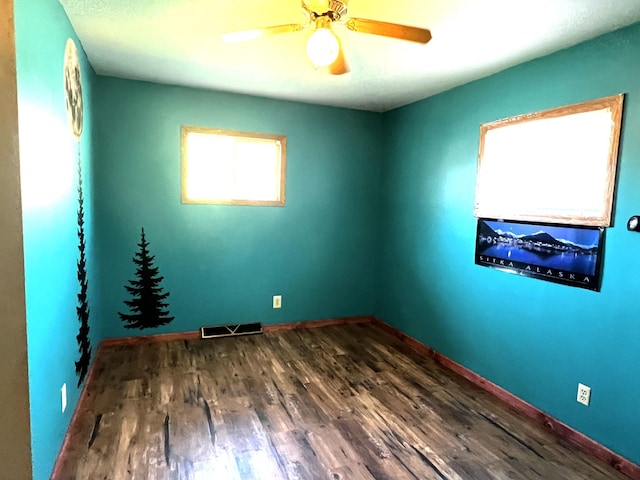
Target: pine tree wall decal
(148, 307)
(82, 310)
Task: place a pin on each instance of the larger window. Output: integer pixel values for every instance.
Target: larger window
(232, 168)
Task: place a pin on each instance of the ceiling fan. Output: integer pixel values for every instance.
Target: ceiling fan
(323, 47)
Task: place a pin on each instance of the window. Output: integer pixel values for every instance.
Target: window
(232, 168)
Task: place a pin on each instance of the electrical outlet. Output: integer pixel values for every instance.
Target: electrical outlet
(63, 396)
(277, 301)
(584, 394)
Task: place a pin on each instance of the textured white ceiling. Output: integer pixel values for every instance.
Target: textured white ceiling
(178, 42)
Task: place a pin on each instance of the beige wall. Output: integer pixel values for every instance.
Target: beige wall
(15, 436)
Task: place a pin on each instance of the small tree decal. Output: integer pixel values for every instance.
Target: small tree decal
(147, 305)
(82, 310)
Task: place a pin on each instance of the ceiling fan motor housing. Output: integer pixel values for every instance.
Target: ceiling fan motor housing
(338, 8)
(336, 11)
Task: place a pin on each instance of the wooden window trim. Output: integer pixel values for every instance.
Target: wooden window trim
(282, 139)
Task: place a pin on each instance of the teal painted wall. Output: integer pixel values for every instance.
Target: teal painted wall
(536, 339)
(222, 264)
(338, 232)
(48, 161)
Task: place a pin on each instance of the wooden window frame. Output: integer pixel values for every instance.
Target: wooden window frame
(281, 139)
(595, 123)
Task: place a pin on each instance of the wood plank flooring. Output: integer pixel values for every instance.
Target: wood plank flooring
(335, 403)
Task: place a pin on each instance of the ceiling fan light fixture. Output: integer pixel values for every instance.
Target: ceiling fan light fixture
(323, 47)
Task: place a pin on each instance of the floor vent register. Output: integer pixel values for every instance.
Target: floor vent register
(231, 330)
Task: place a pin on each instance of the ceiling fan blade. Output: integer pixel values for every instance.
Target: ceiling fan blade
(339, 66)
(393, 30)
(246, 35)
(306, 9)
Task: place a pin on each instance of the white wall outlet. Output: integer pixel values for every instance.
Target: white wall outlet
(277, 301)
(63, 396)
(584, 394)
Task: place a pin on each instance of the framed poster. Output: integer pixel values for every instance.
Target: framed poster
(555, 166)
(557, 253)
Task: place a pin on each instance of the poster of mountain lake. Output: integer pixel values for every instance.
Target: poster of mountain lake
(561, 254)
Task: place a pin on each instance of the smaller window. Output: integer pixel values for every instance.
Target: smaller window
(232, 168)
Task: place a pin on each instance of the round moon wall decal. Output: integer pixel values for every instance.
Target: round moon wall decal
(73, 88)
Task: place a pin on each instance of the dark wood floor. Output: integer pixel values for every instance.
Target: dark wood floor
(346, 402)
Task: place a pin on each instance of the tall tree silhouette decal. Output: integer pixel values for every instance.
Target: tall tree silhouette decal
(148, 307)
(73, 103)
(84, 345)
